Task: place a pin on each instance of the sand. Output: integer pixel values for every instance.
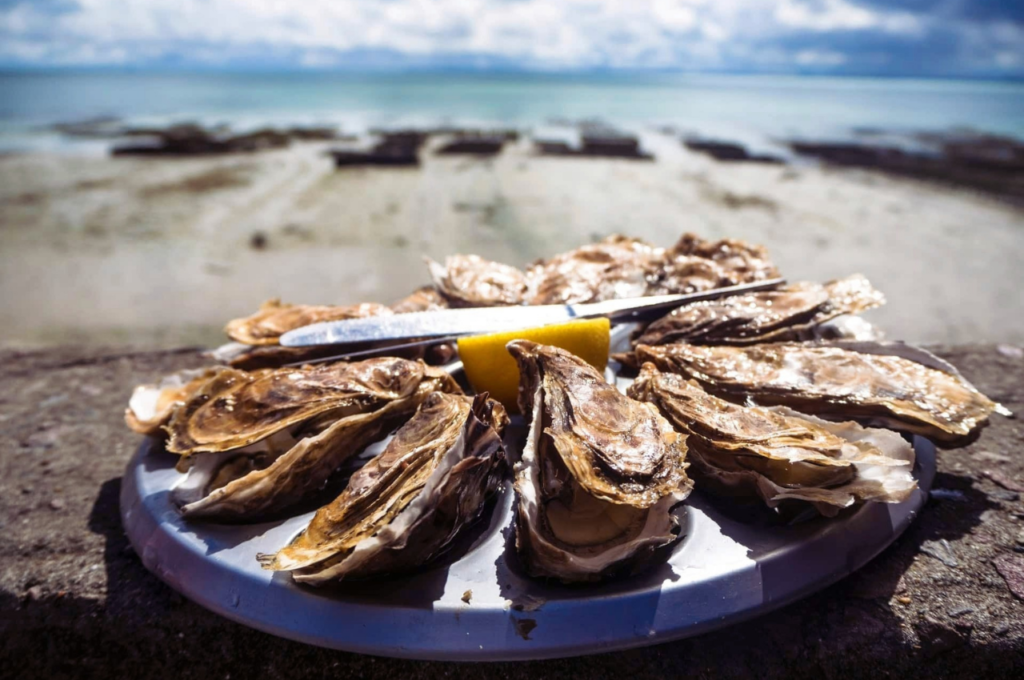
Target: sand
(158, 251)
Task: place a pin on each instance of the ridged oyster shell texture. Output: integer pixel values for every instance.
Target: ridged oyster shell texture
(599, 473)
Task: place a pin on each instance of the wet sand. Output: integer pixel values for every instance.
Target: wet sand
(158, 251)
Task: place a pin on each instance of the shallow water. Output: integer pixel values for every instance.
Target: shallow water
(754, 109)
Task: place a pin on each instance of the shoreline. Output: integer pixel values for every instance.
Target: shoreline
(154, 250)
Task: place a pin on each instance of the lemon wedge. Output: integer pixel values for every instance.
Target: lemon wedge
(490, 368)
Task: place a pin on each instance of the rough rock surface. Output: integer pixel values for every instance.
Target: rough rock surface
(76, 601)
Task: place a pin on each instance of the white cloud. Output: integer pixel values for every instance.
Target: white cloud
(675, 15)
(834, 15)
(532, 33)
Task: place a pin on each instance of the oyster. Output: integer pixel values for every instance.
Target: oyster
(250, 357)
(471, 281)
(255, 357)
(892, 385)
(275, 318)
(787, 313)
(755, 451)
(277, 472)
(407, 505)
(742, 262)
(613, 268)
(151, 406)
(623, 267)
(425, 299)
(685, 274)
(235, 408)
(428, 299)
(599, 473)
(256, 443)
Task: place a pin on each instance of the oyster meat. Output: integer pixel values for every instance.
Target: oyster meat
(788, 313)
(254, 443)
(599, 473)
(756, 451)
(275, 318)
(891, 385)
(472, 281)
(152, 405)
(407, 505)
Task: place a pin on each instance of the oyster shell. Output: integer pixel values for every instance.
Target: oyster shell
(279, 471)
(685, 274)
(253, 444)
(152, 405)
(425, 299)
(779, 455)
(615, 267)
(406, 506)
(428, 299)
(256, 357)
(743, 262)
(472, 281)
(599, 473)
(623, 267)
(787, 313)
(250, 357)
(864, 381)
(236, 408)
(275, 318)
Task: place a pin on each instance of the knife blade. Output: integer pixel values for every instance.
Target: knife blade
(471, 321)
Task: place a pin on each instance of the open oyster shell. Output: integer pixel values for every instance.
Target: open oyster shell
(406, 506)
(255, 443)
(684, 274)
(624, 267)
(152, 405)
(787, 313)
(615, 267)
(891, 385)
(424, 299)
(472, 281)
(261, 479)
(599, 473)
(779, 454)
(275, 318)
(252, 357)
(236, 408)
(743, 262)
(256, 357)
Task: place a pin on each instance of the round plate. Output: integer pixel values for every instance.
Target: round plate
(480, 605)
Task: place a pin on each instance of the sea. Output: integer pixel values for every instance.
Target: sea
(758, 110)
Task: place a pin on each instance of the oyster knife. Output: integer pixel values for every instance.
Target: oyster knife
(456, 322)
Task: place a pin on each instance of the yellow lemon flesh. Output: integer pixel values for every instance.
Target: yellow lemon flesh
(490, 368)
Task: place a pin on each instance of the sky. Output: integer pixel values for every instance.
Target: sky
(952, 38)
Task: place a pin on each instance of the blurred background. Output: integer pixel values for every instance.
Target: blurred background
(166, 165)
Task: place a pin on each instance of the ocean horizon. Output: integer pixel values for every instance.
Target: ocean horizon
(754, 109)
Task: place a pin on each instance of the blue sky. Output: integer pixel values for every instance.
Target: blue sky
(959, 38)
